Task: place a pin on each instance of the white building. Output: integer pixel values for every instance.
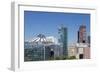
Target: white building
(83, 51)
(79, 50)
(52, 39)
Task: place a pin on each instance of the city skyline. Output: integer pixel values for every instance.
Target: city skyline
(47, 23)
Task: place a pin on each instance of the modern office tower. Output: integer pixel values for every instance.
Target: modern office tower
(78, 37)
(88, 40)
(62, 31)
(82, 34)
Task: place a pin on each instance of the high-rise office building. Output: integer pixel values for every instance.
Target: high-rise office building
(78, 37)
(88, 40)
(62, 31)
(82, 34)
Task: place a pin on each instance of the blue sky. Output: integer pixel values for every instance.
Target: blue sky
(48, 23)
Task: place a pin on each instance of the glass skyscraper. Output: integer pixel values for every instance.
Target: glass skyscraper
(63, 40)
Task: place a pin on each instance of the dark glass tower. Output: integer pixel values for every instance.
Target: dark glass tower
(88, 40)
(78, 36)
(63, 40)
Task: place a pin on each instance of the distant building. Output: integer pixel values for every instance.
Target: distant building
(83, 48)
(52, 39)
(79, 50)
(41, 48)
(88, 40)
(83, 51)
(72, 50)
(62, 31)
(82, 34)
(78, 36)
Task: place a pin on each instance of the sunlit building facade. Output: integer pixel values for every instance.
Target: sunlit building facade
(83, 47)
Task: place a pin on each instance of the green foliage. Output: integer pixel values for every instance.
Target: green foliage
(62, 58)
(72, 57)
(57, 58)
(51, 58)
